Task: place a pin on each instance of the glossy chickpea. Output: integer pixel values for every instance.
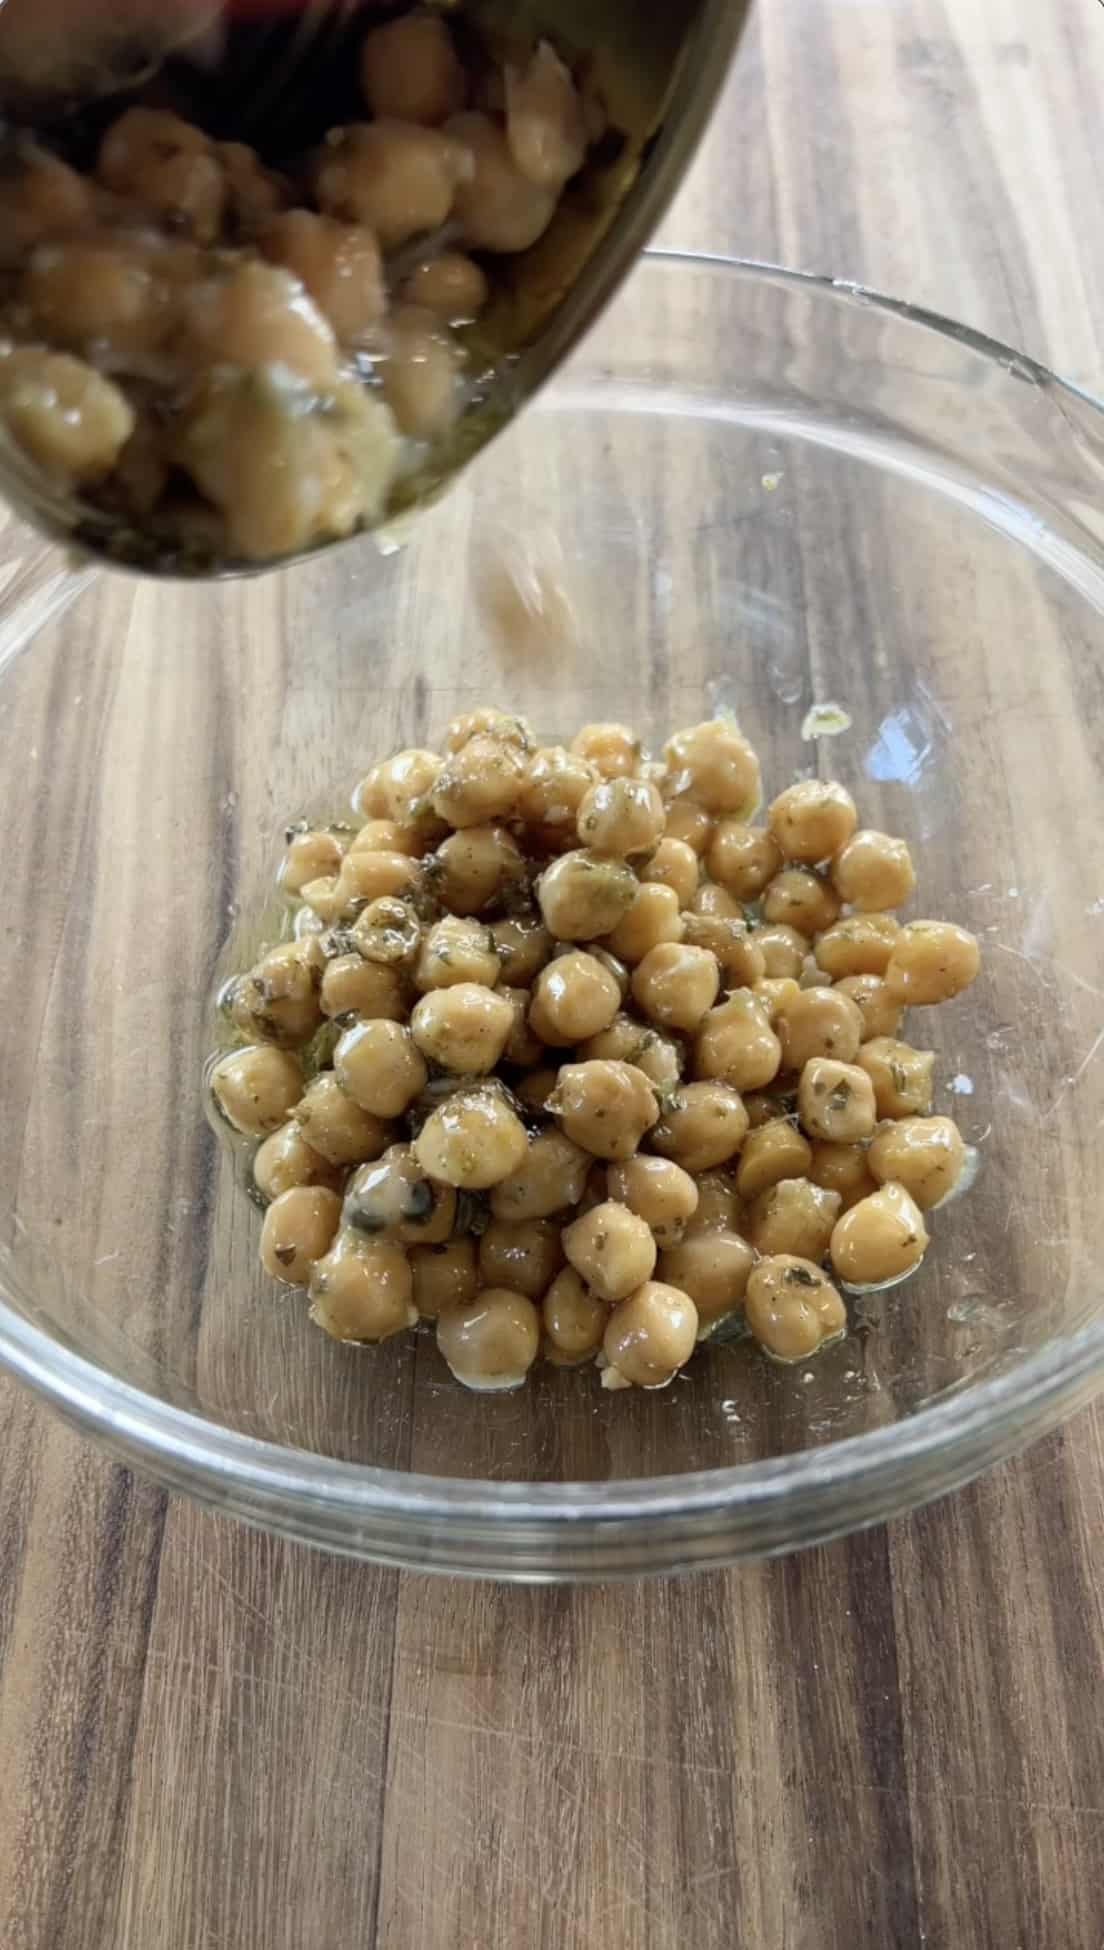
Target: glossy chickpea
(285, 1160)
(731, 944)
(256, 1088)
(463, 1029)
(629, 1041)
(574, 997)
(419, 374)
(873, 872)
(716, 766)
(584, 895)
(621, 816)
(395, 178)
(715, 903)
(362, 1290)
(401, 784)
(443, 1276)
(507, 726)
(392, 1194)
(410, 69)
(277, 1001)
(365, 877)
(549, 1179)
(523, 945)
(473, 869)
(490, 1342)
(604, 1107)
(649, 1337)
(836, 1100)
(783, 950)
(612, 749)
(523, 1048)
(451, 285)
(931, 962)
(924, 1154)
(674, 865)
(689, 822)
(792, 1308)
(676, 985)
(719, 1207)
(901, 1075)
(776, 992)
(712, 1265)
(337, 263)
(812, 820)
(703, 1126)
(332, 1124)
(743, 859)
(818, 1022)
(802, 899)
(774, 1151)
(309, 856)
(574, 1320)
(658, 1191)
(861, 944)
(298, 1229)
(498, 207)
(545, 125)
(794, 1216)
(524, 1256)
(880, 1239)
(653, 917)
(169, 166)
(97, 294)
(841, 1168)
(736, 1043)
(41, 198)
(68, 418)
(255, 314)
(881, 1015)
(379, 1066)
(454, 951)
(473, 1140)
(534, 1090)
(611, 1249)
(481, 782)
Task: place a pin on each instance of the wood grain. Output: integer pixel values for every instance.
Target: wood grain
(210, 1737)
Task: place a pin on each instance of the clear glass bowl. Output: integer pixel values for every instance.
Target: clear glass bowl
(770, 492)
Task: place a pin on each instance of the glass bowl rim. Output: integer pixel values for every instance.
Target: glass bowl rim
(258, 1480)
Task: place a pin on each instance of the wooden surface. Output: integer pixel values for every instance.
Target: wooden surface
(210, 1738)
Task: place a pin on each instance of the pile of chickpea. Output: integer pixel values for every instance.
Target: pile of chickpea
(612, 1064)
(241, 363)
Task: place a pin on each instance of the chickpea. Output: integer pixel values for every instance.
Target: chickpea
(379, 1066)
(490, 1342)
(628, 1041)
(68, 418)
(392, 1194)
(842, 1168)
(473, 1140)
(776, 992)
(931, 961)
(549, 1179)
(812, 820)
(737, 1044)
(454, 951)
(818, 1022)
(419, 374)
(451, 285)
(763, 1106)
(523, 945)
(783, 950)
(742, 858)
(574, 998)
(774, 1151)
(859, 945)
(333, 1125)
(794, 1216)
(584, 895)
(41, 198)
(901, 1075)
(658, 1191)
(309, 856)
(498, 208)
(363, 1290)
(525, 1256)
(802, 899)
(880, 1239)
(924, 1154)
(689, 822)
(506, 726)
(473, 869)
(611, 1249)
(534, 1090)
(873, 872)
(97, 294)
(255, 1088)
(386, 932)
(169, 165)
(712, 1266)
(399, 786)
(574, 1319)
(714, 763)
(337, 263)
(704, 1126)
(443, 1276)
(881, 1015)
(605, 1107)
(812, 975)
(410, 69)
(674, 865)
(481, 782)
(357, 987)
(621, 816)
(298, 1229)
(391, 176)
(729, 941)
(715, 903)
(836, 1100)
(676, 985)
(649, 1337)
(255, 314)
(792, 1308)
(463, 1029)
(719, 1207)
(253, 193)
(555, 786)
(366, 877)
(612, 749)
(277, 1002)
(522, 1048)
(545, 126)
